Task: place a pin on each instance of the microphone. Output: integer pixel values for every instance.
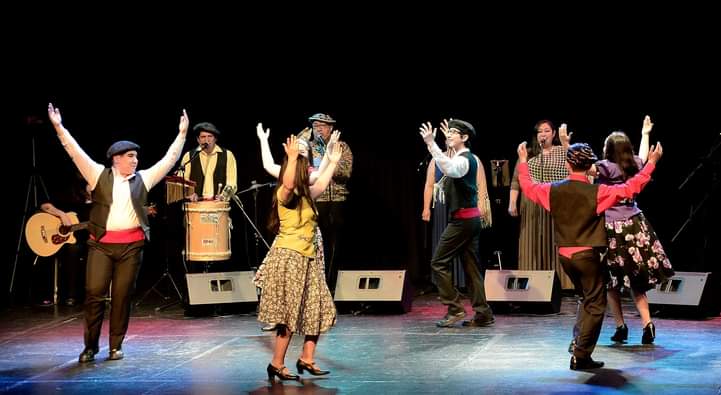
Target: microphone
(542, 140)
(192, 156)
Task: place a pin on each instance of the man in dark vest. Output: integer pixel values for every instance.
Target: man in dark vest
(215, 174)
(577, 208)
(118, 229)
(210, 166)
(462, 234)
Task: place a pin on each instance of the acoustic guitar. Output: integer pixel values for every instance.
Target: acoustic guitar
(46, 234)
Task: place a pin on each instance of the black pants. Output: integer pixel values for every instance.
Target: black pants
(460, 238)
(331, 222)
(119, 263)
(588, 275)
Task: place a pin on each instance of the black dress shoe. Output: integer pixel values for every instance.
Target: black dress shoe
(621, 334)
(479, 321)
(310, 367)
(450, 319)
(584, 363)
(273, 371)
(115, 354)
(649, 333)
(88, 355)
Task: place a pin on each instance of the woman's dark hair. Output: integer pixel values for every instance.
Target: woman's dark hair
(618, 149)
(534, 146)
(302, 187)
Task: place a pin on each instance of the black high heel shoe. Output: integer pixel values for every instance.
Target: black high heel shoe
(310, 367)
(621, 334)
(649, 333)
(273, 371)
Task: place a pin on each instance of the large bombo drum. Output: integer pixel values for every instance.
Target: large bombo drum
(208, 231)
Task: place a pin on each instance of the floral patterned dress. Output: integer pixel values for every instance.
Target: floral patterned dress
(636, 259)
(292, 277)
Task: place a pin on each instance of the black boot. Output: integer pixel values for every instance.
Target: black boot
(649, 333)
(621, 334)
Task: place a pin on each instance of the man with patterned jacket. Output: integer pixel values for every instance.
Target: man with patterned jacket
(331, 203)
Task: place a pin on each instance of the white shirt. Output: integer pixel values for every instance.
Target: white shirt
(455, 167)
(122, 214)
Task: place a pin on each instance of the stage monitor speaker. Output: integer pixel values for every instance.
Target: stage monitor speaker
(215, 288)
(373, 291)
(531, 291)
(685, 294)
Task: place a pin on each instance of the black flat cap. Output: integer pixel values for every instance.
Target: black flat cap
(120, 147)
(206, 127)
(463, 127)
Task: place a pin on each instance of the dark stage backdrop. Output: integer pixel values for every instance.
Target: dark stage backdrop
(379, 108)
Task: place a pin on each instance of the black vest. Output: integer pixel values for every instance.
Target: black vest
(103, 198)
(573, 207)
(196, 173)
(463, 192)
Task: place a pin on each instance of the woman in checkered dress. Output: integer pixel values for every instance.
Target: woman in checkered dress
(536, 246)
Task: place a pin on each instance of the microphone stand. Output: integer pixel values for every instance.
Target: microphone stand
(193, 154)
(258, 235)
(694, 210)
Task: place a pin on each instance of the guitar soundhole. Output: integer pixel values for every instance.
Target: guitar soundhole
(58, 239)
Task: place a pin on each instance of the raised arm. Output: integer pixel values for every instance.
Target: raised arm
(88, 168)
(564, 136)
(455, 167)
(288, 182)
(324, 162)
(268, 163)
(645, 137)
(322, 182)
(609, 195)
(153, 175)
(539, 193)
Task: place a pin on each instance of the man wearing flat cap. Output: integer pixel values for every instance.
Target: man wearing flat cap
(118, 229)
(211, 167)
(577, 208)
(462, 234)
(331, 203)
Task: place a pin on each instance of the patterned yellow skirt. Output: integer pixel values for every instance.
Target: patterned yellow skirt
(294, 292)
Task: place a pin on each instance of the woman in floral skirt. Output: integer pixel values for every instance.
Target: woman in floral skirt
(636, 260)
(295, 295)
